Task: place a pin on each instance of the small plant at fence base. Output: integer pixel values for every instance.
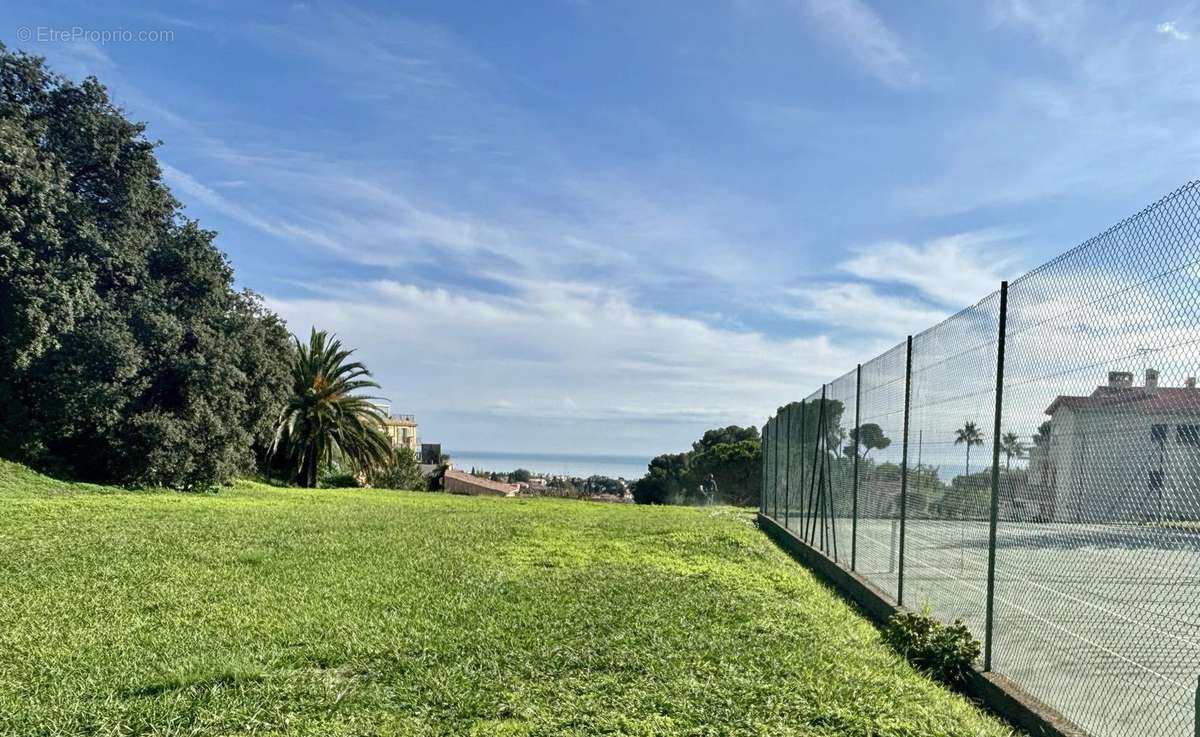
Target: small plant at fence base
(944, 651)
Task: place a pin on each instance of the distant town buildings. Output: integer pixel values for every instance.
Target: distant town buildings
(1124, 453)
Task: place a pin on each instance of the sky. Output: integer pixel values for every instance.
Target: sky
(603, 227)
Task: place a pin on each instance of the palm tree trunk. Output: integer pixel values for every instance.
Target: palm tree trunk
(310, 471)
(968, 460)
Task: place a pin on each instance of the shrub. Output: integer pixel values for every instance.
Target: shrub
(333, 476)
(401, 472)
(944, 651)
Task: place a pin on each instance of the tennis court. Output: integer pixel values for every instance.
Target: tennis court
(1098, 621)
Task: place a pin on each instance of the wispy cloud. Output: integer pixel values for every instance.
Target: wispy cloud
(617, 362)
(1109, 117)
(867, 38)
(859, 309)
(1168, 28)
(955, 270)
(182, 182)
(1054, 21)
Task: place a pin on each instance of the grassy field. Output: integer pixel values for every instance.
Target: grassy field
(360, 612)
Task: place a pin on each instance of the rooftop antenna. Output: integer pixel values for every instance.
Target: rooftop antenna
(1144, 351)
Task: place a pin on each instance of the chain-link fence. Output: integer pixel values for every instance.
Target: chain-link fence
(1031, 465)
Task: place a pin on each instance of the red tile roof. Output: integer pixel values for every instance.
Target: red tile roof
(1163, 400)
(482, 483)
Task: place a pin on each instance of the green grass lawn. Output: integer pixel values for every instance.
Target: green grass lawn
(363, 612)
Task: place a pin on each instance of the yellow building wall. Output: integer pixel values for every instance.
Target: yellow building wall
(403, 436)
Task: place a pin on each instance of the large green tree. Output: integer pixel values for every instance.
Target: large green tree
(127, 356)
(870, 437)
(731, 456)
(665, 480)
(325, 419)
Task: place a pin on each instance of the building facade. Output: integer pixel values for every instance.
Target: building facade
(402, 431)
(1124, 453)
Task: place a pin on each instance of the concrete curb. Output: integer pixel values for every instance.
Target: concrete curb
(998, 694)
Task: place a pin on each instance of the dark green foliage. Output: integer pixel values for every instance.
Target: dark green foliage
(735, 467)
(1012, 447)
(401, 472)
(870, 437)
(325, 421)
(664, 481)
(725, 436)
(521, 474)
(806, 431)
(1042, 437)
(126, 354)
(968, 497)
(597, 484)
(331, 477)
(732, 456)
(944, 651)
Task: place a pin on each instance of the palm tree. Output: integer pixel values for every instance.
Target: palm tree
(1042, 437)
(1012, 446)
(324, 419)
(968, 435)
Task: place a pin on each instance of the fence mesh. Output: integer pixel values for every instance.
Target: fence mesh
(840, 406)
(951, 414)
(1096, 489)
(880, 432)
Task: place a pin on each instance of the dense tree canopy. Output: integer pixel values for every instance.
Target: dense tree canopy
(731, 456)
(127, 355)
(870, 437)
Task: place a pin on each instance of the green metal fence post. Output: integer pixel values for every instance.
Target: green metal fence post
(828, 471)
(787, 471)
(904, 471)
(762, 470)
(820, 471)
(775, 459)
(800, 500)
(810, 522)
(854, 483)
(995, 511)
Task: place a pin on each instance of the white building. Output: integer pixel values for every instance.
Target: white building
(1121, 454)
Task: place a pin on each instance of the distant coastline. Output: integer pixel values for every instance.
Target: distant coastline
(568, 464)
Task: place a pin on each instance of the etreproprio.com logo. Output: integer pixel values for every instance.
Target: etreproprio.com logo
(50, 34)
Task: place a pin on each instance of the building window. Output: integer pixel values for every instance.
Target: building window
(1158, 433)
(1188, 434)
(1156, 480)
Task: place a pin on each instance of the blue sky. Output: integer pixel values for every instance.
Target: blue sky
(604, 227)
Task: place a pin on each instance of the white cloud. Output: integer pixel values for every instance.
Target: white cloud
(181, 181)
(859, 309)
(864, 34)
(956, 270)
(1168, 28)
(634, 374)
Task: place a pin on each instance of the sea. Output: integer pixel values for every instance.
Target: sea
(566, 464)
